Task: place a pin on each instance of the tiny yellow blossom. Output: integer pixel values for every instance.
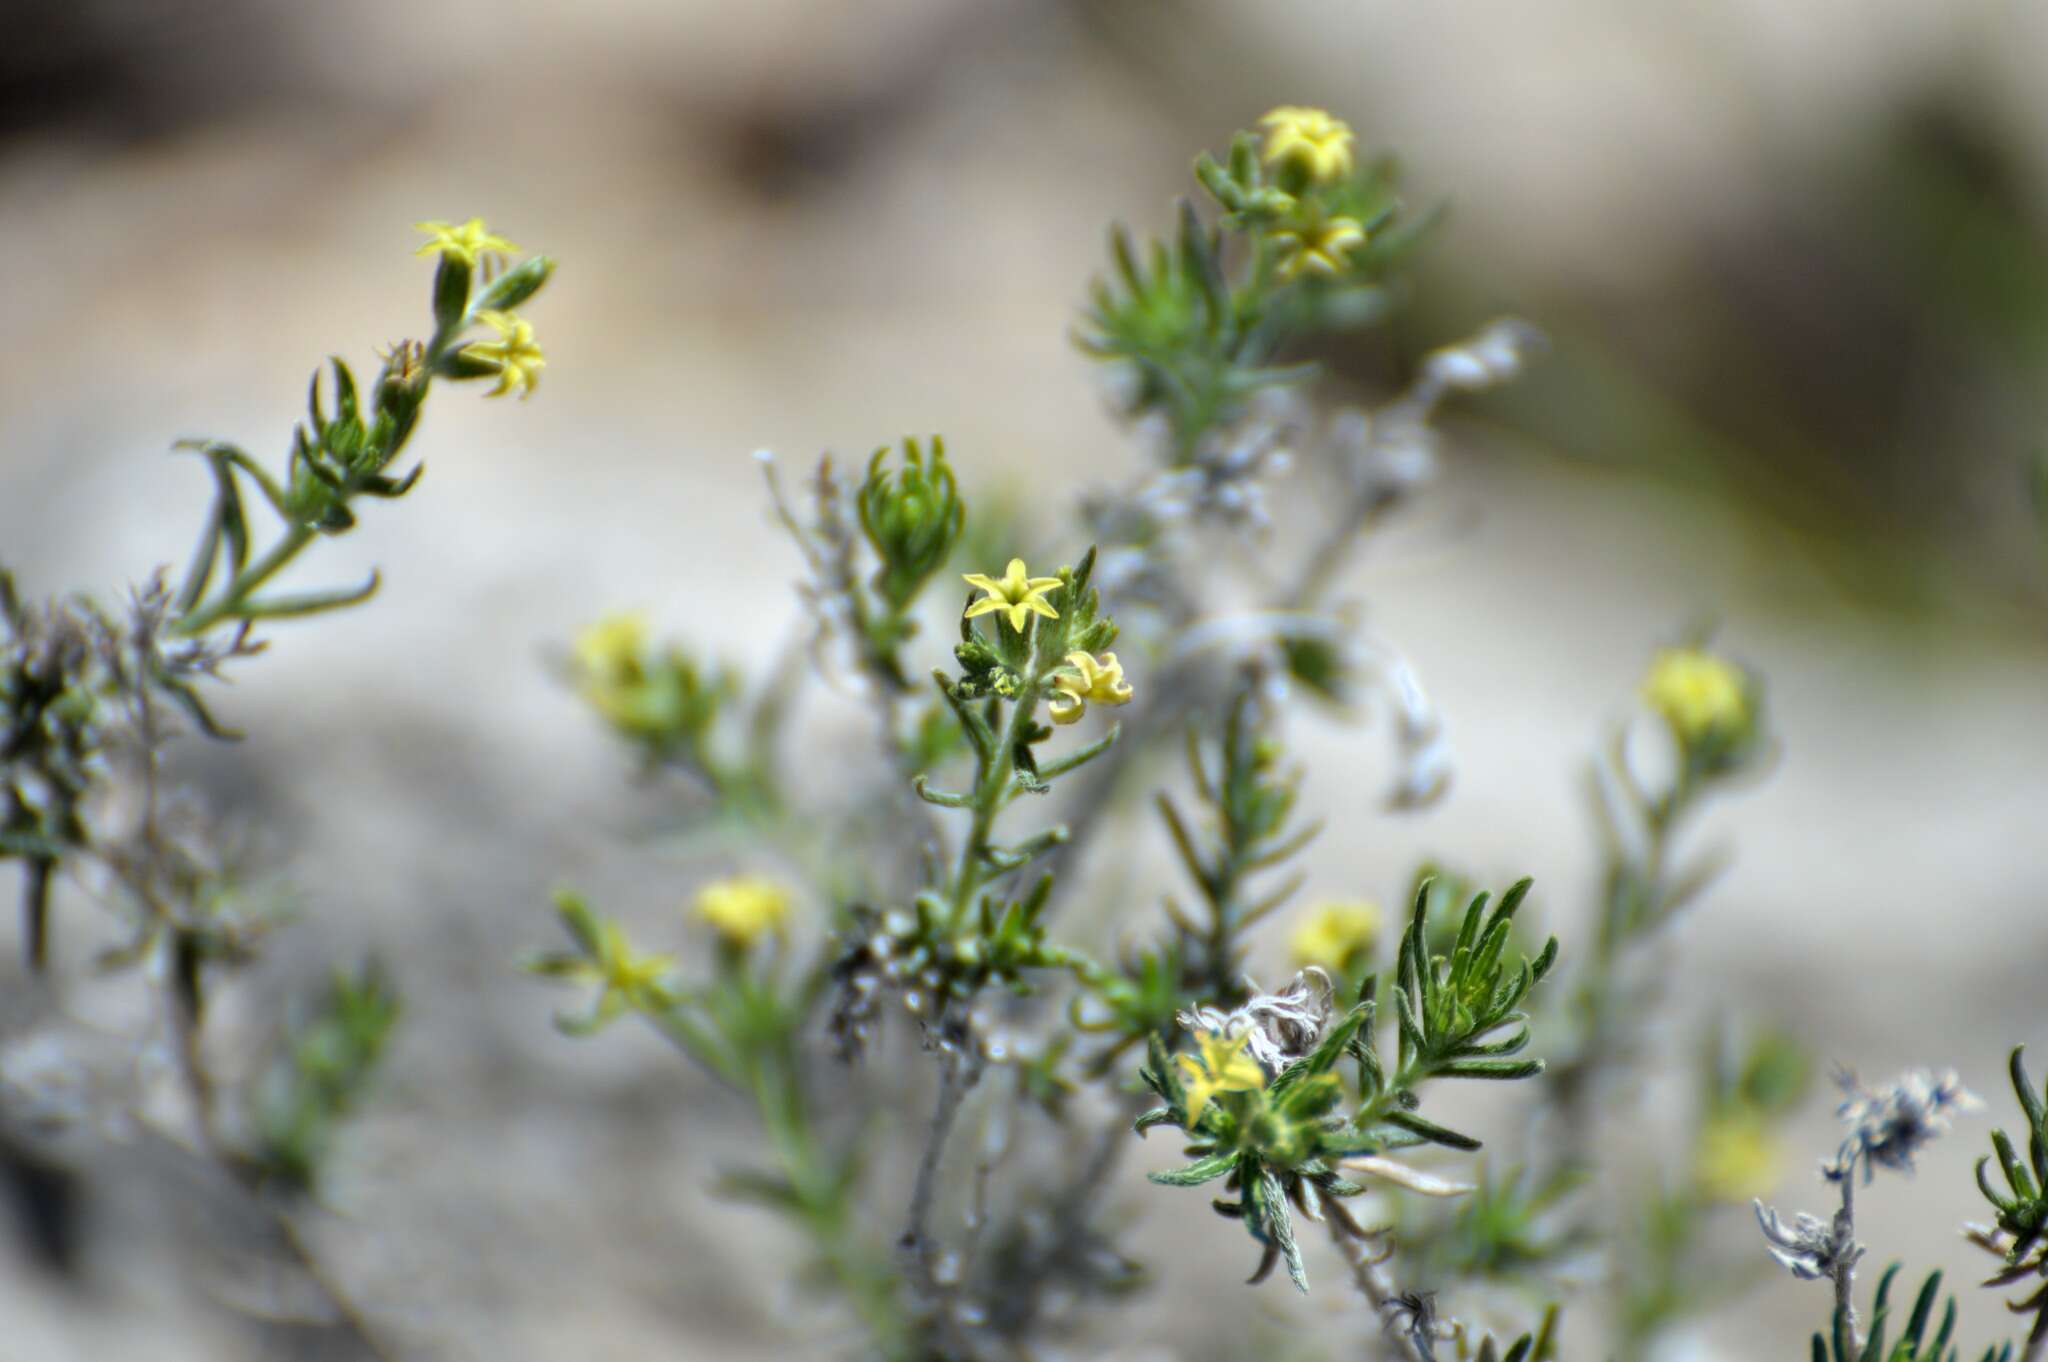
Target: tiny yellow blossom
(744, 907)
(630, 979)
(1084, 679)
(607, 657)
(1700, 695)
(1016, 595)
(614, 645)
(1335, 932)
(464, 241)
(1309, 138)
(1223, 1067)
(518, 360)
(1736, 1159)
(1319, 247)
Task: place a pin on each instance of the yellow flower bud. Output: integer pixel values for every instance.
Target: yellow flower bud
(742, 908)
(1310, 140)
(1699, 695)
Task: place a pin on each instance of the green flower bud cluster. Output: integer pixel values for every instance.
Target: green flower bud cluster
(912, 517)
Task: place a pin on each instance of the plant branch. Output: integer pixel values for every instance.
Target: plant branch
(1376, 1285)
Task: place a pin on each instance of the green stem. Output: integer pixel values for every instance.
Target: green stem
(991, 791)
(236, 593)
(778, 1097)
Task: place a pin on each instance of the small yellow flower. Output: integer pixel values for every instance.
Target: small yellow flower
(1309, 138)
(1335, 932)
(744, 907)
(1736, 1158)
(607, 657)
(1317, 247)
(464, 241)
(518, 360)
(1016, 594)
(1223, 1067)
(630, 979)
(1084, 679)
(614, 645)
(1700, 695)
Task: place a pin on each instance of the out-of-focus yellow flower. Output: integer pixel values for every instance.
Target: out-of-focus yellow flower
(465, 241)
(1223, 1067)
(629, 978)
(1084, 679)
(1318, 247)
(1015, 595)
(1309, 138)
(743, 908)
(607, 656)
(1737, 1158)
(1333, 933)
(614, 645)
(517, 359)
(1700, 695)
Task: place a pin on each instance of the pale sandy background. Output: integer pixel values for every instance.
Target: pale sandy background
(810, 226)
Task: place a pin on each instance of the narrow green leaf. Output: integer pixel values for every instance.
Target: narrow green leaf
(1200, 1171)
(1430, 1130)
(307, 603)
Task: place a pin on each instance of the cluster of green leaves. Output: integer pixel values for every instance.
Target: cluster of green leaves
(1250, 801)
(336, 459)
(680, 711)
(1452, 1010)
(321, 1075)
(1277, 1145)
(1284, 1142)
(49, 740)
(1914, 1344)
(1202, 320)
(1249, 828)
(2023, 1206)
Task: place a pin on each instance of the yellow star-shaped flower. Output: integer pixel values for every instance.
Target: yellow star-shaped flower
(1309, 138)
(1223, 1067)
(1015, 595)
(1699, 695)
(1319, 247)
(464, 241)
(1084, 679)
(630, 979)
(518, 360)
(744, 907)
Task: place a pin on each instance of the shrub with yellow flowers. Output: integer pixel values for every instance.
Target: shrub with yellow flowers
(932, 958)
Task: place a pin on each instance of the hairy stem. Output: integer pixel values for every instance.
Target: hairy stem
(956, 1076)
(1844, 1274)
(1377, 1286)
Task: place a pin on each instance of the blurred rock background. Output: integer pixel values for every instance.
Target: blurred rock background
(1793, 263)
